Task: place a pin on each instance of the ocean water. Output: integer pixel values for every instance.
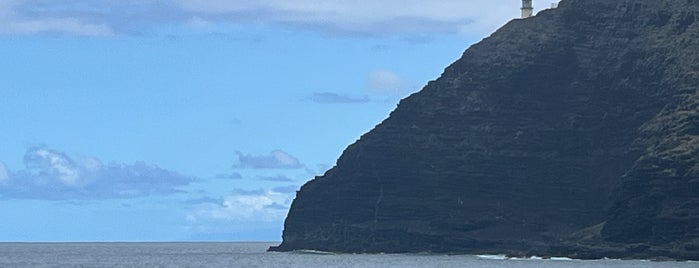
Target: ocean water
(42, 255)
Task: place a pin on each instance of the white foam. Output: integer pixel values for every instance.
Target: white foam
(493, 257)
(560, 259)
(312, 252)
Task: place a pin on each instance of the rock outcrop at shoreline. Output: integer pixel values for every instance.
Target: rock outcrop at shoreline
(571, 133)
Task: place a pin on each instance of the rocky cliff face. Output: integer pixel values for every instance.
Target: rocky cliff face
(575, 132)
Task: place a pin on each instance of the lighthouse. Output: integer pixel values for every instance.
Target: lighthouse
(527, 9)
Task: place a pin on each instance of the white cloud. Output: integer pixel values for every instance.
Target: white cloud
(267, 206)
(53, 164)
(384, 81)
(16, 20)
(53, 175)
(198, 23)
(277, 159)
(277, 178)
(70, 26)
(360, 17)
(285, 159)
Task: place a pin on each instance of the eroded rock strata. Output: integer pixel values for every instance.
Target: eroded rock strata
(571, 133)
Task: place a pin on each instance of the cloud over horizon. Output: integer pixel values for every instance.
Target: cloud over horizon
(333, 17)
(53, 175)
(245, 206)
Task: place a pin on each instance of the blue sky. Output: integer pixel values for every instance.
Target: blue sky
(184, 120)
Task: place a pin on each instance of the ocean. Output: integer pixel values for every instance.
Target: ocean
(117, 255)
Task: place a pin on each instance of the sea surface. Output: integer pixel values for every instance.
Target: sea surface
(42, 255)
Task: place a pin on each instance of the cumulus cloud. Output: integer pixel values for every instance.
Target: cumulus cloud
(57, 165)
(53, 175)
(337, 17)
(257, 206)
(277, 159)
(329, 97)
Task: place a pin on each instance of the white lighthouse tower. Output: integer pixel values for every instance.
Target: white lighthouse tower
(527, 9)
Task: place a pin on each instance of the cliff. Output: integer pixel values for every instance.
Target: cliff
(571, 133)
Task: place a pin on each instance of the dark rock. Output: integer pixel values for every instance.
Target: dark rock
(571, 133)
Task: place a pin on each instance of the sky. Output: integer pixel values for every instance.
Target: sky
(197, 120)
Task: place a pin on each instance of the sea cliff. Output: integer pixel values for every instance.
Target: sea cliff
(571, 133)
